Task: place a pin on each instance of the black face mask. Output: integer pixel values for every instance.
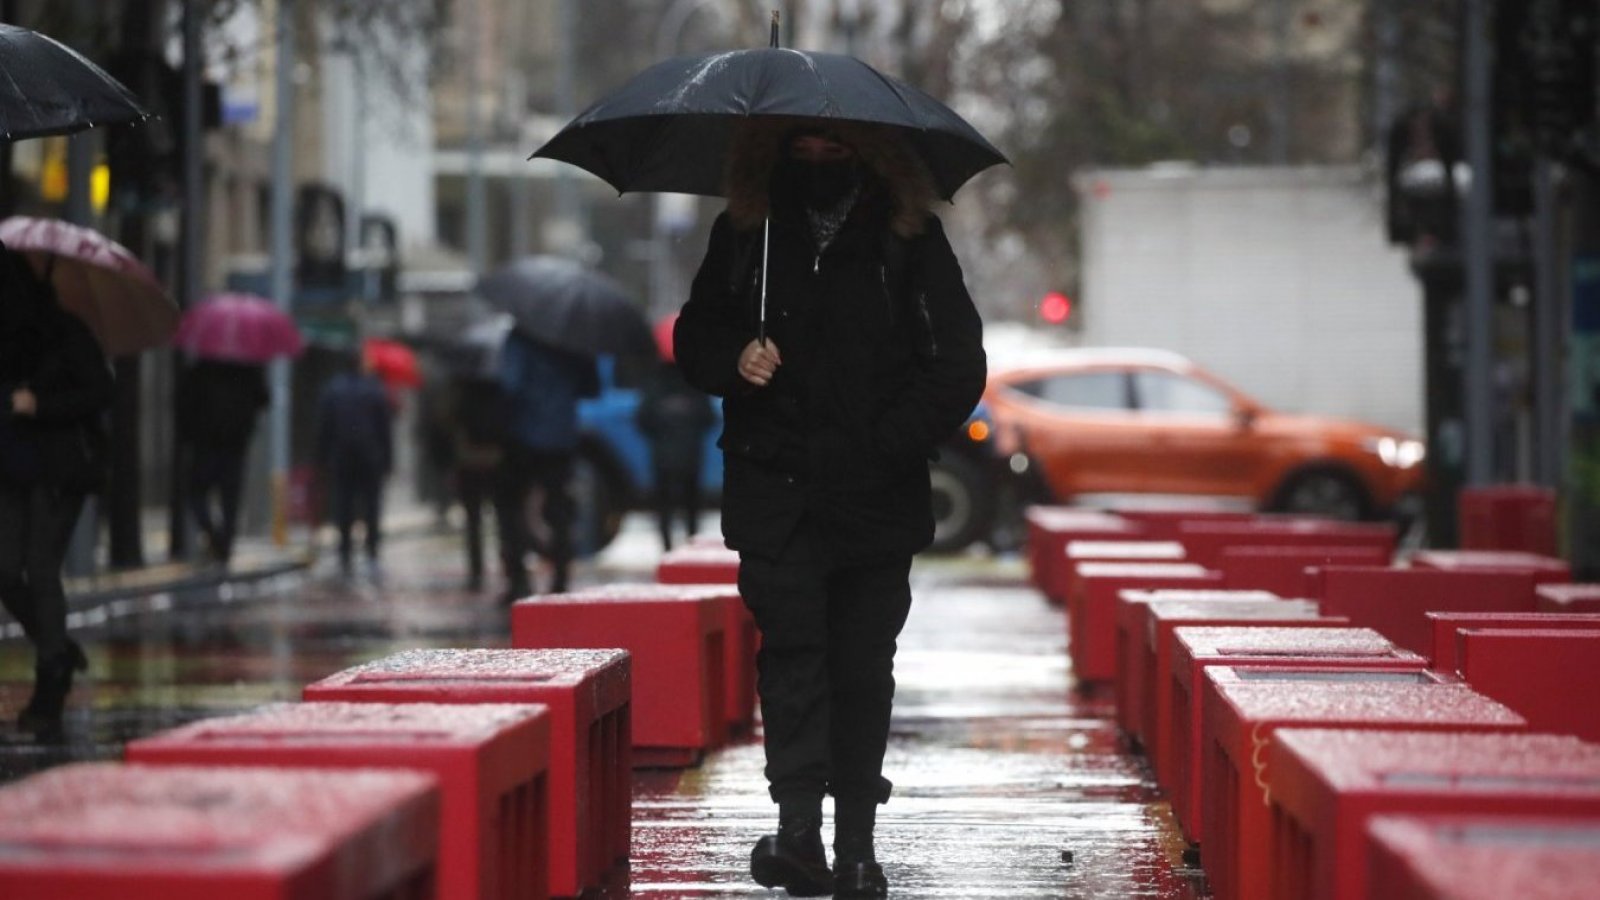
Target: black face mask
(820, 185)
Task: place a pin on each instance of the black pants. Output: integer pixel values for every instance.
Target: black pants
(357, 494)
(219, 471)
(475, 489)
(521, 471)
(36, 524)
(677, 492)
(826, 667)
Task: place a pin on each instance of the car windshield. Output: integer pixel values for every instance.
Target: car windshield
(1080, 390)
(1166, 393)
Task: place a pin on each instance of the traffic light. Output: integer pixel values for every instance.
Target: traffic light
(1055, 308)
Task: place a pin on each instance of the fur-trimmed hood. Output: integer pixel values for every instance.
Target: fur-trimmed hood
(756, 147)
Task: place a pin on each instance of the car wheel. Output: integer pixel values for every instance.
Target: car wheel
(963, 502)
(598, 500)
(1324, 492)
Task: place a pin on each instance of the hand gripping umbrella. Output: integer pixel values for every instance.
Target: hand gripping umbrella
(47, 88)
(671, 126)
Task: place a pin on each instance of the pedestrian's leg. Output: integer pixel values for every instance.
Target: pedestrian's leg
(344, 516)
(53, 514)
(663, 499)
(554, 471)
(788, 598)
(202, 478)
(511, 519)
(372, 513)
(868, 606)
(470, 489)
(691, 498)
(15, 529)
(230, 483)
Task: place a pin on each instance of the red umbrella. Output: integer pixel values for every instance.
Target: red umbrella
(393, 362)
(240, 328)
(663, 335)
(98, 280)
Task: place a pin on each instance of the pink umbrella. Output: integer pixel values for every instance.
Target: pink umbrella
(240, 328)
(98, 280)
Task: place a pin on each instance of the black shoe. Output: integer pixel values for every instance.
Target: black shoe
(859, 880)
(793, 859)
(52, 682)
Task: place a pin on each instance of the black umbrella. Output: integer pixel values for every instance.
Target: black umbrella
(669, 128)
(48, 88)
(568, 305)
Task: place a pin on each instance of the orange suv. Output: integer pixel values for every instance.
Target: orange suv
(1116, 422)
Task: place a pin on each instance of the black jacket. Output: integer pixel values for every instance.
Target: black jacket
(355, 436)
(875, 375)
(58, 359)
(675, 416)
(219, 402)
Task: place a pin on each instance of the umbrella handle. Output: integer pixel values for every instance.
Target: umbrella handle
(766, 242)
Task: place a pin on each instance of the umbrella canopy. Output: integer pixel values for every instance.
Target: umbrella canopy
(48, 88)
(475, 353)
(662, 332)
(240, 328)
(567, 305)
(393, 362)
(670, 127)
(98, 280)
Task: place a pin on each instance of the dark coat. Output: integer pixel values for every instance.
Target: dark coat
(874, 377)
(219, 402)
(354, 430)
(542, 386)
(56, 357)
(675, 416)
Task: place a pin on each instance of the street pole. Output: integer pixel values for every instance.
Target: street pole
(1478, 245)
(190, 274)
(282, 253)
(569, 201)
(1549, 288)
(477, 231)
(80, 211)
(1282, 95)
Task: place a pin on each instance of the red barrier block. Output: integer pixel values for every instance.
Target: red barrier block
(1446, 628)
(1548, 677)
(1243, 707)
(674, 632)
(1293, 645)
(1167, 524)
(1482, 858)
(1206, 540)
(1567, 598)
(716, 564)
(1545, 569)
(699, 564)
(1134, 662)
(1282, 570)
(1326, 786)
(587, 696)
(100, 831)
(490, 761)
(1396, 602)
(1092, 608)
(1508, 517)
(1051, 528)
(1115, 552)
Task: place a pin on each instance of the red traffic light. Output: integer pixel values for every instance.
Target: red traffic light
(1055, 308)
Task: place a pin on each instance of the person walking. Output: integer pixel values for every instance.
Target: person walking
(542, 386)
(218, 405)
(478, 435)
(355, 453)
(54, 386)
(842, 366)
(675, 416)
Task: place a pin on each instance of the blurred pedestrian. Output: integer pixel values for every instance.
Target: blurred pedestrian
(218, 405)
(478, 435)
(55, 386)
(542, 385)
(675, 416)
(355, 452)
(844, 355)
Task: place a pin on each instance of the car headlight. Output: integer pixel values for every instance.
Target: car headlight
(1397, 453)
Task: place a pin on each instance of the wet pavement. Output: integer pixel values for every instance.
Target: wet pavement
(999, 766)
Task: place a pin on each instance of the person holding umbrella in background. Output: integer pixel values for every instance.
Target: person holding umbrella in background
(55, 383)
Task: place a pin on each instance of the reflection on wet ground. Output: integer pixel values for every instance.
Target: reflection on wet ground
(998, 766)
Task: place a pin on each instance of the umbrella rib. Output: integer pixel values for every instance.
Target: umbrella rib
(899, 94)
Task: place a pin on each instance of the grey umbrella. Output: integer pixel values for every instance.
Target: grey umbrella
(47, 88)
(568, 305)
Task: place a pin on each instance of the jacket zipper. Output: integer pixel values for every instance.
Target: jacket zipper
(927, 320)
(816, 266)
